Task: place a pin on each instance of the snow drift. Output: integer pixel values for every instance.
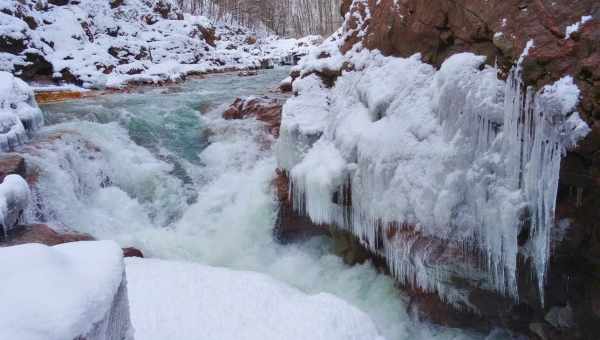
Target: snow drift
(70, 291)
(184, 301)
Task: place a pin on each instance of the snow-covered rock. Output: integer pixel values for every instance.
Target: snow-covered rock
(19, 113)
(171, 300)
(14, 197)
(100, 43)
(440, 163)
(71, 291)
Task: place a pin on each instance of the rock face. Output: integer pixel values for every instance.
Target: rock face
(565, 43)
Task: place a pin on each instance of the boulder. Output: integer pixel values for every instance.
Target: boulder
(264, 109)
(42, 233)
(12, 164)
(59, 2)
(132, 252)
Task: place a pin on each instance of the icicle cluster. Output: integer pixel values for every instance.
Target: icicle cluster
(439, 171)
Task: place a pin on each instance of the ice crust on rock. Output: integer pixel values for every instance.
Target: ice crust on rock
(19, 113)
(454, 155)
(64, 292)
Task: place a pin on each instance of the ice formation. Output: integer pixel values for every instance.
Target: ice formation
(14, 197)
(19, 113)
(70, 291)
(399, 153)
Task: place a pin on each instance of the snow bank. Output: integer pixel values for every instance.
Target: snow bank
(454, 155)
(19, 112)
(63, 292)
(171, 300)
(96, 44)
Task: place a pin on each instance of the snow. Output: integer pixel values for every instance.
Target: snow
(110, 47)
(19, 113)
(444, 153)
(14, 197)
(62, 292)
(576, 26)
(172, 300)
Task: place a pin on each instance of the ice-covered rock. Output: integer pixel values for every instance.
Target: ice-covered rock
(19, 113)
(71, 291)
(172, 300)
(454, 155)
(14, 197)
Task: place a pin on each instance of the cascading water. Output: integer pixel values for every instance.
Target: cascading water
(162, 171)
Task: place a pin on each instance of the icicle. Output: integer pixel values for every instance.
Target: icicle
(458, 155)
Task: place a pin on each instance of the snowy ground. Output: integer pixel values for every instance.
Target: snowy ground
(98, 44)
(174, 300)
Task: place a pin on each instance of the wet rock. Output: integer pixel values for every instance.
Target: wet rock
(41, 233)
(263, 109)
(56, 96)
(59, 2)
(12, 164)
(560, 317)
(132, 252)
(291, 226)
(248, 73)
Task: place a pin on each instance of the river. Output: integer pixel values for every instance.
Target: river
(160, 170)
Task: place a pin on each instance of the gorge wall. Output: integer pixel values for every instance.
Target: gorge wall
(510, 237)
